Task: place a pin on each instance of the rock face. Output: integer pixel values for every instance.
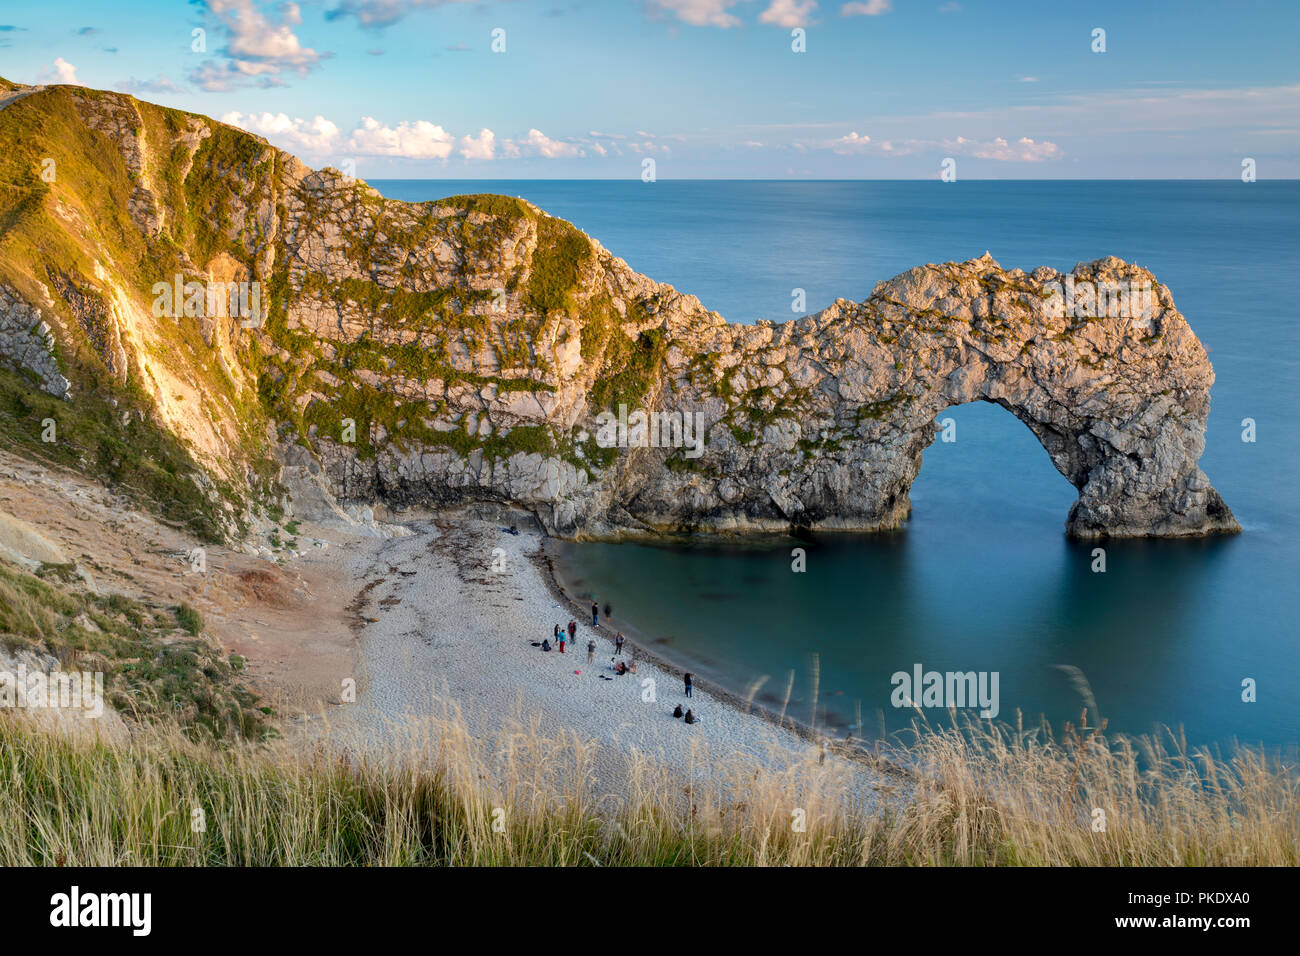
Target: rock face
(27, 342)
(473, 349)
(1118, 402)
(822, 422)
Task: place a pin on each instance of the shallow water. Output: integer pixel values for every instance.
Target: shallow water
(982, 577)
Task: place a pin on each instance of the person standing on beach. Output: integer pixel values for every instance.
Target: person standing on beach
(573, 630)
(556, 635)
(595, 614)
(618, 644)
(687, 681)
(561, 643)
(591, 653)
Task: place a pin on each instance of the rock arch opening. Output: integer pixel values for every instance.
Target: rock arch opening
(986, 470)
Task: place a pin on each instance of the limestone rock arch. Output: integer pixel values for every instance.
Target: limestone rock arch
(822, 421)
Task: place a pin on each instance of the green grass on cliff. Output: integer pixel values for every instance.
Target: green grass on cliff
(201, 214)
(155, 661)
(437, 320)
(111, 443)
(631, 367)
(62, 234)
(562, 251)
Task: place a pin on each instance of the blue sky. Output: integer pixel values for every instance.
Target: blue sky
(886, 89)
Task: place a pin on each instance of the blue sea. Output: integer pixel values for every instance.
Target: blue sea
(982, 578)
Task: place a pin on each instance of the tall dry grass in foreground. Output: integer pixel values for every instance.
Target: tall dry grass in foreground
(437, 795)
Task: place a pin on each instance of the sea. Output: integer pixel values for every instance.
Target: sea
(1198, 640)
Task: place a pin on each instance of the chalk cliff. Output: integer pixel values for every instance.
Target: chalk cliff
(462, 350)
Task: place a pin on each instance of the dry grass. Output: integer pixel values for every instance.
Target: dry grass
(437, 795)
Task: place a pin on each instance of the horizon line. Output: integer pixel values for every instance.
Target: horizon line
(764, 179)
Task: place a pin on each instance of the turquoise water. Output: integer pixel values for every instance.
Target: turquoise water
(982, 578)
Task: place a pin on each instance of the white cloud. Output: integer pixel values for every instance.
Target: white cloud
(871, 8)
(406, 140)
(255, 38)
(212, 77)
(381, 13)
(482, 147)
(1027, 79)
(161, 84)
(1023, 150)
(256, 46)
(320, 138)
(217, 78)
(788, 13)
(1120, 129)
(61, 71)
(649, 147)
(314, 137)
(698, 13)
(540, 144)
(1142, 110)
(851, 143)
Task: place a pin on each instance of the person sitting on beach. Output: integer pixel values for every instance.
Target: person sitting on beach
(691, 718)
(631, 668)
(620, 667)
(677, 711)
(546, 645)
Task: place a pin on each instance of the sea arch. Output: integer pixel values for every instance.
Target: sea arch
(821, 422)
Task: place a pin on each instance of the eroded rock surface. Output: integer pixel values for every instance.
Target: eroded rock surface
(463, 350)
(822, 422)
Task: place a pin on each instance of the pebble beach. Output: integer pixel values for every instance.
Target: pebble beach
(448, 618)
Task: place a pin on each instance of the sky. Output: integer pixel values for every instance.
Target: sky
(706, 89)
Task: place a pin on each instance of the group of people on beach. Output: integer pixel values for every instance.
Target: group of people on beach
(563, 636)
